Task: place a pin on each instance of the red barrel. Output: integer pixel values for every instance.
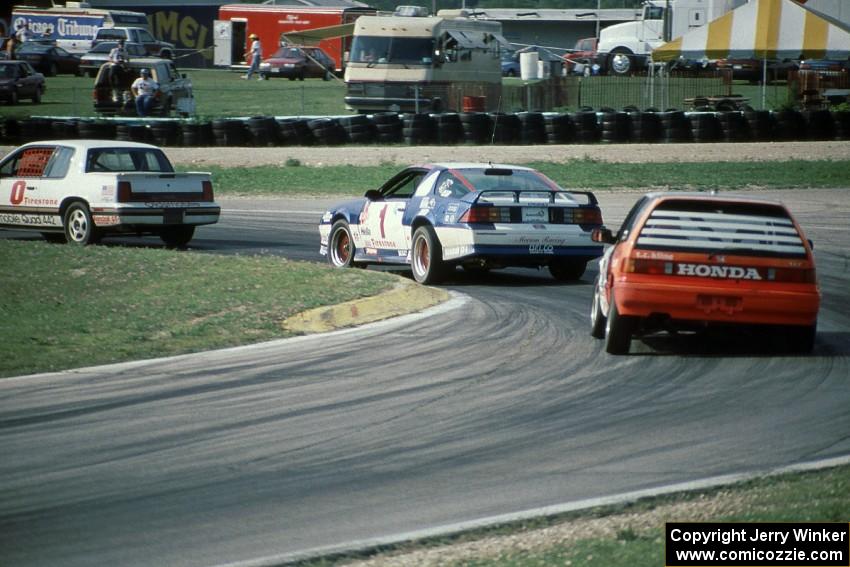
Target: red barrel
(474, 103)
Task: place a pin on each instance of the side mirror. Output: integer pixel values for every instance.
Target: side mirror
(373, 195)
(602, 235)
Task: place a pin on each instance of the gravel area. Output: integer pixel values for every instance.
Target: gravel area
(537, 541)
(406, 155)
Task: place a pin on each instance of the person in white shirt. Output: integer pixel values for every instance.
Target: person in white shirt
(24, 34)
(117, 60)
(118, 54)
(144, 89)
(254, 56)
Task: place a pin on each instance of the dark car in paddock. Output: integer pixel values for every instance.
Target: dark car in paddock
(19, 80)
(299, 63)
(479, 216)
(49, 59)
(753, 70)
(684, 262)
(99, 54)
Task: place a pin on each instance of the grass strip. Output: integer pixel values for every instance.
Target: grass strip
(289, 180)
(628, 535)
(67, 307)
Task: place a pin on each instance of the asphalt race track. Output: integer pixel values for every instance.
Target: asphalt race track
(498, 403)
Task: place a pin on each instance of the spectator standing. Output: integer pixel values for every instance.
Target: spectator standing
(254, 56)
(11, 45)
(117, 60)
(24, 34)
(144, 89)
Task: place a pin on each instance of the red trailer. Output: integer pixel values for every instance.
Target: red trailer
(237, 21)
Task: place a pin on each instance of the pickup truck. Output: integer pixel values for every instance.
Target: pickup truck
(153, 46)
(112, 95)
(78, 191)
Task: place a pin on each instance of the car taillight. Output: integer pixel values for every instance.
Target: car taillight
(486, 214)
(587, 215)
(208, 191)
(642, 266)
(125, 192)
(792, 275)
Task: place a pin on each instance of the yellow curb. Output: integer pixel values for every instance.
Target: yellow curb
(406, 297)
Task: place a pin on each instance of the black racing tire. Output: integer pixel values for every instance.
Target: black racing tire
(567, 270)
(177, 236)
(341, 248)
(78, 225)
(52, 70)
(13, 97)
(36, 98)
(427, 256)
(618, 330)
(598, 321)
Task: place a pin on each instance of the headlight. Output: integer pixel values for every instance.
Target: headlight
(289, 65)
(265, 66)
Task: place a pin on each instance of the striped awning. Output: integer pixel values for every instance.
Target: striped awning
(317, 35)
(761, 29)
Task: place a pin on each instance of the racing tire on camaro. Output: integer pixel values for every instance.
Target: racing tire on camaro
(341, 246)
(79, 227)
(427, 256)
(567, 270)
(598, 321)
(801, 339)
(618, 330)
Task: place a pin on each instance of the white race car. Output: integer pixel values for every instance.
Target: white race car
(480, 216)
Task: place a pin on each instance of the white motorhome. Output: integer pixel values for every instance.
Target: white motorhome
(423, 64)
(624, 48)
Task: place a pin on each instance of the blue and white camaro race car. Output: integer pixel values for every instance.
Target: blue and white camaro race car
(479, 216)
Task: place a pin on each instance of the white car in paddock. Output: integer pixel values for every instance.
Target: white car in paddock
(81, 190)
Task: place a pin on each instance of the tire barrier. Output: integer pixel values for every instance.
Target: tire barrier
(789, 125)
(262, 131)
(820, 124)
(705, 127)
(615, 127)
(229, 132)
(532, 128)
(449, 129)
(559, 129)
(644, 127)
(419, 129)
(295, 132)
(327, 131)
(586, 127)
(478, 128)
(675, 127)
(359, 129)
(760, 125)
(733, 127)
(842, 125)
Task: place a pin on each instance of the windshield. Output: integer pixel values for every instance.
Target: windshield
(288, 53)
(369, 49)
(499, 184)
(34, 48)
(104, 47)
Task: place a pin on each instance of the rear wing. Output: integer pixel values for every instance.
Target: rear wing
(515, 196)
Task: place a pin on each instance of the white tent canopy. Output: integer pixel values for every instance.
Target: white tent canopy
(761, 29)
